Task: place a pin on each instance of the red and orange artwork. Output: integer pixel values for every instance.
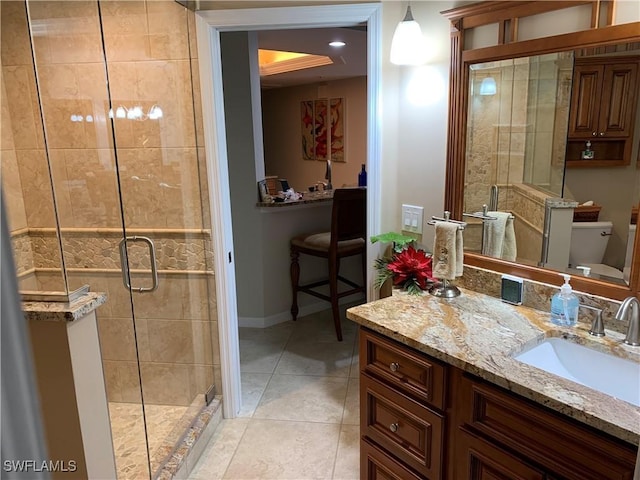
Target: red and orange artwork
(321, 132)
(306, 111)
(322, 125)
(337, 129)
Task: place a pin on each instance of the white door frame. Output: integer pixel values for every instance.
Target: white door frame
(209, 25)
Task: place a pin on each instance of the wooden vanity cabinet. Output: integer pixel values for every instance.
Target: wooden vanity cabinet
(402, 396)
(422, 418)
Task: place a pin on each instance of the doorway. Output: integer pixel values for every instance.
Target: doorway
(209, 25)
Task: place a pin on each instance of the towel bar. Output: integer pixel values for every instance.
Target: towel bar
(446, 218)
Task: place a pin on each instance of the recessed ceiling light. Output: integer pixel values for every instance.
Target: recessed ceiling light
(337, 44)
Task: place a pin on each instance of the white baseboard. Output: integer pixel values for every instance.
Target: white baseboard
(281, 317)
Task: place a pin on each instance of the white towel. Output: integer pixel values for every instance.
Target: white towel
(509, 249)
(447, 251)
(499, 236)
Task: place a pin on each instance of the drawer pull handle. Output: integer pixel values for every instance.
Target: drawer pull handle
(394, 366)
(393, 427)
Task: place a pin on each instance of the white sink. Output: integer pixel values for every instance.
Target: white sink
(606, 373)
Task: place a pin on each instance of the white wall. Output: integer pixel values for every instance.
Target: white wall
(414, 132)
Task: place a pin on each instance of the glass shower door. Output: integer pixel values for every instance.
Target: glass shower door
(114, 89)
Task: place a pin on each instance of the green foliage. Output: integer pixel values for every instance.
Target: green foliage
(399, 241)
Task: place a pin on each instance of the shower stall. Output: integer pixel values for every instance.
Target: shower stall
(104, 177)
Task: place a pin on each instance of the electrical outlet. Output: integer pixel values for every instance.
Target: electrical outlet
(412, 219)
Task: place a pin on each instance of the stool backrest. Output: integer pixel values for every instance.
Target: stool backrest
(349, 214)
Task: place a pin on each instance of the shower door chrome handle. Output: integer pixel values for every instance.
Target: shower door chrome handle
(125, 266)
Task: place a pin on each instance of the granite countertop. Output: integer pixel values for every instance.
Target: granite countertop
(479, 334)
(307, 198)
(63, 311)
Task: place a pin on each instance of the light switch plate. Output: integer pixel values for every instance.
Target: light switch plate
(412, 218)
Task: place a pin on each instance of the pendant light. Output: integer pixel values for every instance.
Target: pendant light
(407, 45)
(488, 86)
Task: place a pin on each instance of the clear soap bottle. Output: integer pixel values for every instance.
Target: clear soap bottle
(564, 305)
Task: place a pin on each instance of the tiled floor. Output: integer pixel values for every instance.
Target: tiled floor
(164, 427)
(300, 406)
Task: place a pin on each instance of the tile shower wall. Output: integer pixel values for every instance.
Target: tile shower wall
(25, 176)
(517, 140)
(151, 58)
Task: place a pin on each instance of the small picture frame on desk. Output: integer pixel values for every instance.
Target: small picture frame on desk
(587, 155)
(263, 192)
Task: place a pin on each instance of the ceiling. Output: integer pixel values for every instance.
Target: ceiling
(348, 61)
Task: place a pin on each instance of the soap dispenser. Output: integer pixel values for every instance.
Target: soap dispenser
(564, 305)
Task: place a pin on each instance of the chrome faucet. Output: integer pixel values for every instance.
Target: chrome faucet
(327, 176)
(633, 332)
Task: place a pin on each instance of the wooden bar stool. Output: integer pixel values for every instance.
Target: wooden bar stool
(346, 238)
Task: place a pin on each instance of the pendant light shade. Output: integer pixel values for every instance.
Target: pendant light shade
(407, 45)
(488, 86)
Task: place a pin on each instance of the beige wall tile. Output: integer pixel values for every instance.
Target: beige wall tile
(14, 34)
(23, 107)
(110, 369)
(128, 382)
(93, 188)
(50, 281)
(164, 383)
(70, 90)
(12, 189)
(168, 30)
(117, 340)
(177, 297)
(165, 83)
(181, 196)
(201, 377)
(6, 132)
(28, 282)
(179, 341)
(120, 17)
(36, 185)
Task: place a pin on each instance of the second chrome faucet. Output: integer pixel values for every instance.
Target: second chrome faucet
(630, 308)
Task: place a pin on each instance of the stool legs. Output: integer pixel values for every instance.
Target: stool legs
(294, 271)
(334, 267)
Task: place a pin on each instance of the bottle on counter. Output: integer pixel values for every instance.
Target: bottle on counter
(362, 177)
(564, 305)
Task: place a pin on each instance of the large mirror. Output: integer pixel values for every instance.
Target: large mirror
(524, 149)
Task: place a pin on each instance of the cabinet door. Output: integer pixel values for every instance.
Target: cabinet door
(618, 100)
(479, 460)
(585, 101)
(375, 464)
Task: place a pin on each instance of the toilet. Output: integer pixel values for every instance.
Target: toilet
(588, 244)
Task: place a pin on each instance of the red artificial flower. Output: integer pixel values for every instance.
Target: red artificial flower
(411, 264)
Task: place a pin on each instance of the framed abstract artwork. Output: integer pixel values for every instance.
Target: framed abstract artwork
(322, 127)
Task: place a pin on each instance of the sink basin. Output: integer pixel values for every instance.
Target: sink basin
(606, 373)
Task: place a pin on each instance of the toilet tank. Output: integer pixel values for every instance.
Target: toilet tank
(588, 243)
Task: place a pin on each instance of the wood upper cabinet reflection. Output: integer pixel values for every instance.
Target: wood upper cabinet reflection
(603, 102)
(603, 109)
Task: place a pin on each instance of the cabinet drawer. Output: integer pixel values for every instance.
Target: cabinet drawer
(396, 364)
(563, 446)
(407, 429)
(375, 464)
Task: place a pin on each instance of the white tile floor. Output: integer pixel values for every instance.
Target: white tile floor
(300, 410)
